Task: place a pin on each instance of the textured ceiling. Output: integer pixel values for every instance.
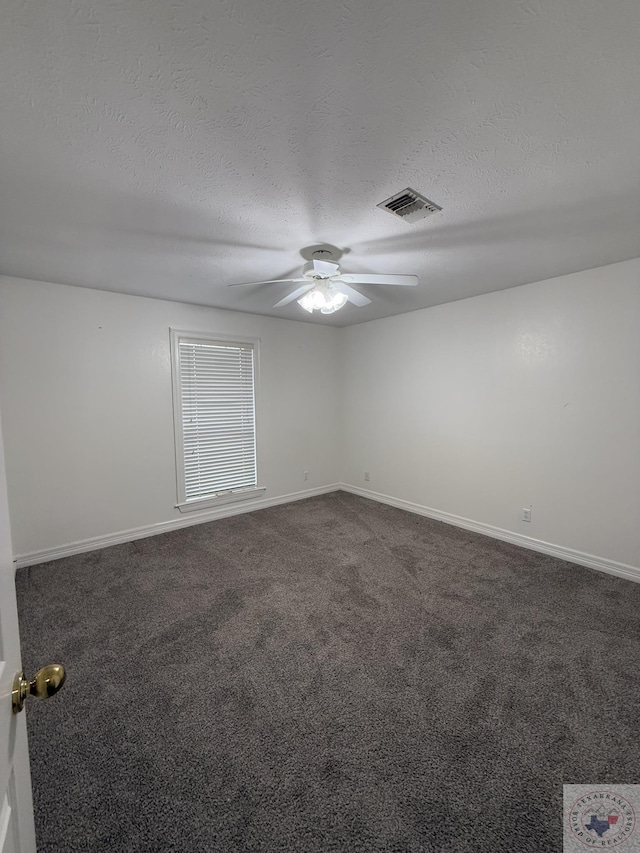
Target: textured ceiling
(168, 148)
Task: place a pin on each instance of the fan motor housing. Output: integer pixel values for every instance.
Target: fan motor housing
(308, 271)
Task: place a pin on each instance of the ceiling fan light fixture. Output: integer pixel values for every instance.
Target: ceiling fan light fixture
(324, 298)
(324, 287)
(338, 301)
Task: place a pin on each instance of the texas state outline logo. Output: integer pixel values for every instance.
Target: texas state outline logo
(601, 818)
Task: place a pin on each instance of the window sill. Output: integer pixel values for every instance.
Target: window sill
(221, 500)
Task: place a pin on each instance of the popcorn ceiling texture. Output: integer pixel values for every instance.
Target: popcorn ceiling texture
(168, 148)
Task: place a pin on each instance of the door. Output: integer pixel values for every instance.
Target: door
(17, 833)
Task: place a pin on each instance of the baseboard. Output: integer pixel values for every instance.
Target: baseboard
(122, 536)
(572, 556)
(602, 564)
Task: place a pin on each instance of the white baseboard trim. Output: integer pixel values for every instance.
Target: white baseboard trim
(602, 564)
(122, 536)
(569, 554)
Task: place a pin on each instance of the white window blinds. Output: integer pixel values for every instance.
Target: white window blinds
(216, 394)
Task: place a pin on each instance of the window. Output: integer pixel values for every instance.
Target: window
(214, 390)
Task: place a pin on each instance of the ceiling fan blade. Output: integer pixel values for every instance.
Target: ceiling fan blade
(365, 278)
(351, 294)
(325, 267)
(295, 294)
(272, 281)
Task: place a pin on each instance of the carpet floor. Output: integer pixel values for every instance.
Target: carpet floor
(329, 675)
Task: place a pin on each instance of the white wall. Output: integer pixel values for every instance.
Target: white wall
(529, 396)
(476, 408)
(85, 389)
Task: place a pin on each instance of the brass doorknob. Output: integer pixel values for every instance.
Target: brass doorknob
(46, 682)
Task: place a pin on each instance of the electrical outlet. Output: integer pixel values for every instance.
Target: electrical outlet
(526, 513)
(366, 476)
(306, 475)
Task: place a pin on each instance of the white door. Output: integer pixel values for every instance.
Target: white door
(16, 808)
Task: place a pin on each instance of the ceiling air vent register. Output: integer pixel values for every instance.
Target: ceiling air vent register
(409, 205)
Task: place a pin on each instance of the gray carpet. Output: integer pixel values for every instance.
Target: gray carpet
(331, 675)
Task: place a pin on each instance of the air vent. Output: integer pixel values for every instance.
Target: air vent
(409, 205)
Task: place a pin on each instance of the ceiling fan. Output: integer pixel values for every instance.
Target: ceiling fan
(323, 287)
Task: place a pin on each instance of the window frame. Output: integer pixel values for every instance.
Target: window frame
(249, 493)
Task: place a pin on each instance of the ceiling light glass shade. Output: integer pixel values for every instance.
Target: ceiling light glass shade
(324, 297)
(339, 300)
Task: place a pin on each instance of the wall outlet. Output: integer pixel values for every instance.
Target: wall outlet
(366, 476)
(306, 475)
(526, 513)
